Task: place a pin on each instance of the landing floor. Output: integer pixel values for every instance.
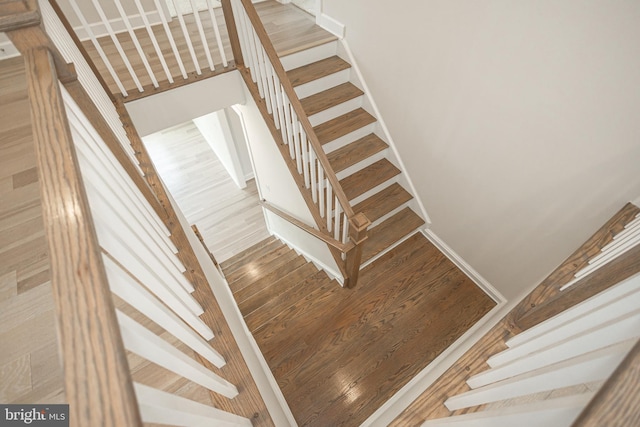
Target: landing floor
(339, 354)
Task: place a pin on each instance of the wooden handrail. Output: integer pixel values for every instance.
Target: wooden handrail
(97, 381)
(342, 247)
(296, 104)
(16, 14)
(616, 403)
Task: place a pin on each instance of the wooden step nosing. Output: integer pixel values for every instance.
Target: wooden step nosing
(361, 164)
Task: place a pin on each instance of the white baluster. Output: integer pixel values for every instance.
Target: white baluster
(203, 36)
(167, 30)
(216, 31)
(148, 345)
(185, 33)
(136, 43)
(96, 44)
(154, 40)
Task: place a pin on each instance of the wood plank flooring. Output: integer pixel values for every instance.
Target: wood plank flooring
(289, 28)
(229, 219)
(338, 354)
(30, 370)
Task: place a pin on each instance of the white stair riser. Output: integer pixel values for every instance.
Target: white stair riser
(336, 111)
(322, 84)
(348, 138)
(622, 289)
(362, 164)
(594, 366)
(309, 56)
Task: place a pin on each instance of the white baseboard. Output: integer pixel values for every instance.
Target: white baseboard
(636, 202)
(330, 24)
(8, 50)
(100, 30)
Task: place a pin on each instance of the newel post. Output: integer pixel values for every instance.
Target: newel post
(357, 235)
(232, 30)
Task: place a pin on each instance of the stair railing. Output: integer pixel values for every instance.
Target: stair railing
(114, 258)
(553, 339)
(267, 80)
(159, 67)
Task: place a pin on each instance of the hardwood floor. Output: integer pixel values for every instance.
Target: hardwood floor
(229, 219)
(29, 367)
(338, 354)
(290, 29)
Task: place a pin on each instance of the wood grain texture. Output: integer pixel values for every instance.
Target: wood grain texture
(289, 29)
(368, 178)
(390, 231)
(355, 152)
(229, 218)
(316, 70)
(98, 386)
(338, 353)
(343, 125)
(248, 403)
(383, 202)
(330, 98)
(562, 275)
(619, 269)
(616, 403)
(430, 404)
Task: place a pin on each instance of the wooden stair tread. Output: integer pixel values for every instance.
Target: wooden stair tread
(355, 152)
(368, 178)
(237, 260)
(254, 269)
(242, 292)
(383, 202)
(389, 232)
(277, 287)
(316, 70)
(330, 98)
(343, 125)
(275, 306)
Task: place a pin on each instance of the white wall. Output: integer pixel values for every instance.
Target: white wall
(154, 113)
(276, 185)
(517, 121)
(215, 129)
(235, 125)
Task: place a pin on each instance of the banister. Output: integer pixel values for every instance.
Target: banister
(97, 381)
(616, 403)
(80, 46)
(342, 247)
(296, 104)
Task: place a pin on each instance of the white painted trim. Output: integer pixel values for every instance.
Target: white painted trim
(8, 50)
(636, 201)
(465, 267)
(385, 130)
(328, 23)
(425, 378)
(269, 390)
(99, 29)
(333, 273)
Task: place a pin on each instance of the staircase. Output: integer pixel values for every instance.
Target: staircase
(355, 146)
